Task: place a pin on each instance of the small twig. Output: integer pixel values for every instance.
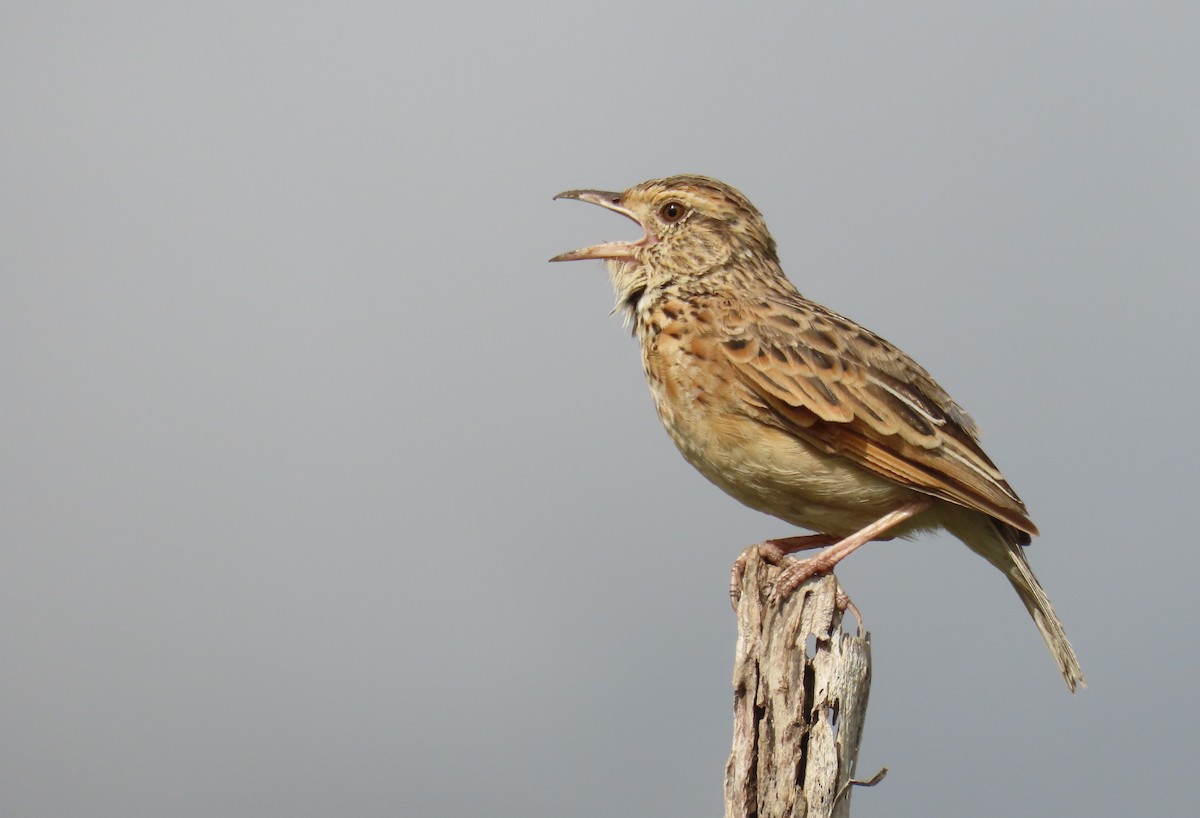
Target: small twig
(854, 782)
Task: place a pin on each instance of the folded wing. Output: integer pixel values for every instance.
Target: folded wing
(848, 391)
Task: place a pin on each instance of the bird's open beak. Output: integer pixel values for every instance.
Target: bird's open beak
(621, 250)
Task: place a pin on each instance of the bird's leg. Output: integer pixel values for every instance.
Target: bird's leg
(791, 577)
(774, 552)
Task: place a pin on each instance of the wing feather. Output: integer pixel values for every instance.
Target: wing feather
(851, 393)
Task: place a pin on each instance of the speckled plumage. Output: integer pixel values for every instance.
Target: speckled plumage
(791, 408)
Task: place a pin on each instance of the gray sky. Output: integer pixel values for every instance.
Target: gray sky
(322, 493)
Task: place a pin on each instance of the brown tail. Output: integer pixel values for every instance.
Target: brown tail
(998, 545)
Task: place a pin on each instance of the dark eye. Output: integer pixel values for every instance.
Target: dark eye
(671, 212)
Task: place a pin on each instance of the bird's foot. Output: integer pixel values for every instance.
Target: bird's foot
(797, 572)
(775, 552)
(844, 603)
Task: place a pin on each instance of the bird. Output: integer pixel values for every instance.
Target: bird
(794, 409)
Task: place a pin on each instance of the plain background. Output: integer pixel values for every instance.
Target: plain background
(321, 493)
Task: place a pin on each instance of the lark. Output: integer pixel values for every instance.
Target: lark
(793, 409)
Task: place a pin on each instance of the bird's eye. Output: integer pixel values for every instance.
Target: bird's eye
(671, 212)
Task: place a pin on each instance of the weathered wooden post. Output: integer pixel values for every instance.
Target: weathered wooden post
(800, 697)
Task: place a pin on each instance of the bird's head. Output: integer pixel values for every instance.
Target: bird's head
(691, 226)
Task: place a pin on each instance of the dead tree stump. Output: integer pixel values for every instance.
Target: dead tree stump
(800, 697)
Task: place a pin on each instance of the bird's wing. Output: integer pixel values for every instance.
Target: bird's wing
(839, 386)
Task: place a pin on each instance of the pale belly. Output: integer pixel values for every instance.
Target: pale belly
(771, 470)
(780, 475)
